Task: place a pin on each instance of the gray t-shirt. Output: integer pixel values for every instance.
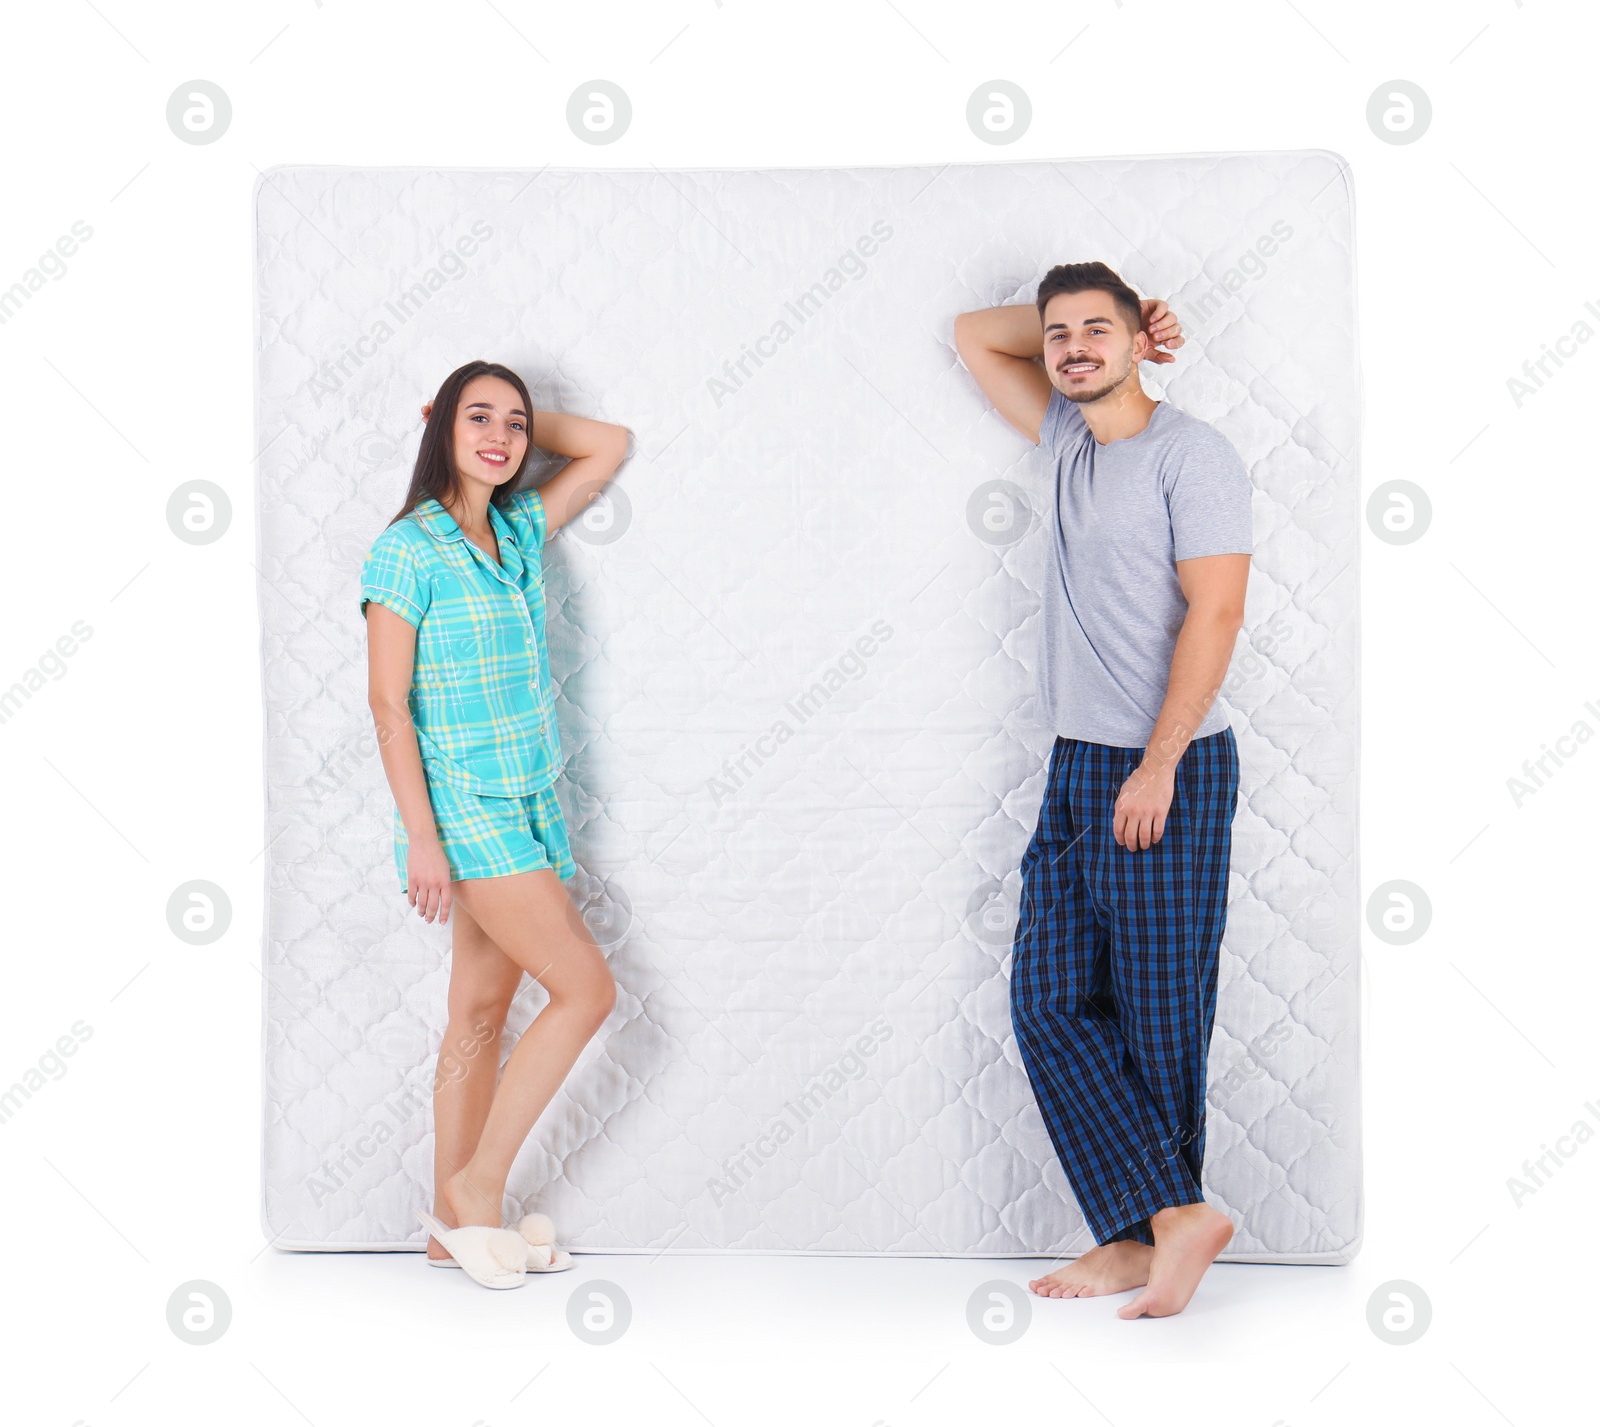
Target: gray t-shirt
(1112, 606)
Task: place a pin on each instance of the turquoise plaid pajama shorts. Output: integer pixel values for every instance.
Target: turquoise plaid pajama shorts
(483, 836)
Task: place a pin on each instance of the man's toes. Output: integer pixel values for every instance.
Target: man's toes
(1148, 1304)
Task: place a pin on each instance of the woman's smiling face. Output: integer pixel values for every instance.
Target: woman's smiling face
(491, 433)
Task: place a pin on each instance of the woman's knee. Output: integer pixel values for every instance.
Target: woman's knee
(602, 996)
(593, 996)
(478, 1013)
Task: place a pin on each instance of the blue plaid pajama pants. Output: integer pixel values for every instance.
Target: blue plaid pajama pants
(1114, 978)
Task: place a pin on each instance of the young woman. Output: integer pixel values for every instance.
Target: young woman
(459, 686)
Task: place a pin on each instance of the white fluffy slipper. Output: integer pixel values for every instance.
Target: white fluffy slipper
(543, 1255)
(496, 1258)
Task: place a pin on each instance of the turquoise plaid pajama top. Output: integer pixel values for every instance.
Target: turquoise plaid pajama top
(480, 700)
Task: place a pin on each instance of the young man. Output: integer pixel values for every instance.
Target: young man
(1125, 883)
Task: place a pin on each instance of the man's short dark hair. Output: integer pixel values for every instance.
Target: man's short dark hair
(1092, 277)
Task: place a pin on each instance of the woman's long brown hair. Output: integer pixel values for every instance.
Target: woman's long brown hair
(435, 473)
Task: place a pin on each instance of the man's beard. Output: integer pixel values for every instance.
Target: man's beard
(1082, 397)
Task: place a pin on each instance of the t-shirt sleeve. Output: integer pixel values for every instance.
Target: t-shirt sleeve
(1208, 498)
(1062, 422)
(393, 577)
(530, 505)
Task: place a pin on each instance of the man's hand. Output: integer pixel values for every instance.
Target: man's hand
(1161, 326)
(1141, 808)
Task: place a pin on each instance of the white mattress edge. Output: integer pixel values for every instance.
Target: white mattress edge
(1331, 1258)
(1337, 157)
(1358, 1150)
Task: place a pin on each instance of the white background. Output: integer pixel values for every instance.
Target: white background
(139, 767)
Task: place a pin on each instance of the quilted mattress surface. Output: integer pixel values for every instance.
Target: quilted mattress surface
(795, 646)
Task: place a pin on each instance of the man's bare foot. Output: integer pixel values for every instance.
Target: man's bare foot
(1188, 1238)
(1109, 1268)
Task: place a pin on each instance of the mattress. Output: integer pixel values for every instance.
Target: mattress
(796, 656)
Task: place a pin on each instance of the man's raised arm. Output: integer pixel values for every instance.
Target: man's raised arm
(1002, 346)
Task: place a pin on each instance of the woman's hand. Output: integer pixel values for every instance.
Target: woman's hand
(1161, 326)
(428, 880)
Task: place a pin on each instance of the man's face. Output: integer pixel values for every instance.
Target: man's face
(1088, 349)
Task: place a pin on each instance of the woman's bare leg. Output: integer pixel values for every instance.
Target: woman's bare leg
(531, 919)
(483, 980)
